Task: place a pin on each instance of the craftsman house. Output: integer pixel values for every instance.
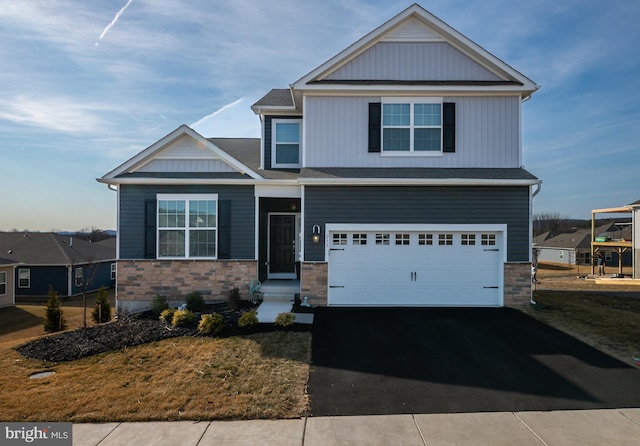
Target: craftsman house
(390, 175)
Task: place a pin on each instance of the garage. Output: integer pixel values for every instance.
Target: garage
(415, 265)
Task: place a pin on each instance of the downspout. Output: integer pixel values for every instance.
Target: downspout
(533, 194)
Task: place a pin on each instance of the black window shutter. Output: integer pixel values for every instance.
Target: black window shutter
(150, 229)
(224, 229)
(375, 122)
(449, 127)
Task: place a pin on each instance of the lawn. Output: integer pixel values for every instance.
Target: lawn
(261, 375)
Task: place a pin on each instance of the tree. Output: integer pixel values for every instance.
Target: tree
(552, 222)
(53, 316)
(83, 280)
(102, 311)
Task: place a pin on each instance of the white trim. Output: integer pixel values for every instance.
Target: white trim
(296, 246)
(274, 123)
(6, 280)
(411, 102)
(302, 225)
(29, 278)
(415, 181)
(277, 191)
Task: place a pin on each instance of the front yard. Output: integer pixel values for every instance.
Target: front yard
(262, 375)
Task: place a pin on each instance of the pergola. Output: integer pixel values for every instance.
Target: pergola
(619, 246)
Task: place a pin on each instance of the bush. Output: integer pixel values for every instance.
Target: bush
(158, 305)
(248, 319)
(53, 316)
(234, 298)
(166, 315)
(285, 320)
(182, 318)
(211, 323)
(195, 302)
(102, 312)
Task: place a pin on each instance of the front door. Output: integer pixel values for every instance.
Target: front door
(282, 246)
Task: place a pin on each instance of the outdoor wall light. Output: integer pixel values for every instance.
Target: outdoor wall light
(316, 234)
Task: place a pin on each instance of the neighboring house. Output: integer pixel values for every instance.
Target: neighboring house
(64, 262)
(7, 293)
(390, 175)
(635, 228)
(620, 238)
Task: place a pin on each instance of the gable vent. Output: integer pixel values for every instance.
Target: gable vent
(413, 30)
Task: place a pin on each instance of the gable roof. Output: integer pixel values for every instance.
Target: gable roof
(47, 248)
(129, 170)
(417, 24)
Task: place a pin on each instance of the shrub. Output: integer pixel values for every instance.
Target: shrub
(158, 305)
(166, 315)
(234, 298)
(195, 302)
(211, 323)
(285, 320)
(248, 319)
(182, 318)
(53, 316)
(102, 312)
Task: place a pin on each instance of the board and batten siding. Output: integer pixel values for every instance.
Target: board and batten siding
(487, 134)
(406, 61)
(132, 216)
(419, 205)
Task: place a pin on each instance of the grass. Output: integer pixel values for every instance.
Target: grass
(261, 375)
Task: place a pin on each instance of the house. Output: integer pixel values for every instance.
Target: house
(7, 293)
(574, 248)
(390, 175)
(67, 263)
(621, 238)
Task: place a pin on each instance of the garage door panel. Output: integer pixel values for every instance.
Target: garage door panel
(411, 268)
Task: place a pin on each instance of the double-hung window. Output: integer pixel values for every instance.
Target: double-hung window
(187, 226)
(3, 282)
(286, 137)
(24, 278)
(412, 126)
(79, 276)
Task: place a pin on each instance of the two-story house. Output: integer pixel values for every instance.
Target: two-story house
(390, 175)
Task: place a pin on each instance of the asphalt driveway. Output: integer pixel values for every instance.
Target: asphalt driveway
(369, 361)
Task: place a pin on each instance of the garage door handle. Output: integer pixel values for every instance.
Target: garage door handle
(493, 287)
(336, 249)
(492, 249)
(336, 286)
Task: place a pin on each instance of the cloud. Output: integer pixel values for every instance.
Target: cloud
(113, 22)
(220, 110)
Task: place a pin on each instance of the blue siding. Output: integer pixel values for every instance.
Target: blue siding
(101, 277)
(41, 278)
(425, 205)
(132, 210)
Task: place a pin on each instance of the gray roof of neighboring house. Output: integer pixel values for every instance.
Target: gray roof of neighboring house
(581, 239)
(47, 248)
(6, 262)
(278, 97)
(635, 203)
(418, 173)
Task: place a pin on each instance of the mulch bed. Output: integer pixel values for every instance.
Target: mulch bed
(128, 331)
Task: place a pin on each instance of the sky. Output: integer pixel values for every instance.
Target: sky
(87, 84)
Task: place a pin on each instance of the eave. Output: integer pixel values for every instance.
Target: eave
(417, 182)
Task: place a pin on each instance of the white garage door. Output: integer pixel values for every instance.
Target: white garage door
(403, 266)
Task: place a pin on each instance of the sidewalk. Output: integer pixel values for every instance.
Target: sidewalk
(584, 427)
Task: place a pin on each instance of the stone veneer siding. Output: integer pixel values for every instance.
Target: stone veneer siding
(313, 282)
(517, 284)
(140, 281)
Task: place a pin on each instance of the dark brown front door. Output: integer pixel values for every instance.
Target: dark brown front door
(282, 245)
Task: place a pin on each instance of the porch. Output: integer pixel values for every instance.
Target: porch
(278, 296)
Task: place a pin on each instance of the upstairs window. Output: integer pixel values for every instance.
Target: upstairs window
(285, 143)
(187, 226)
(412, 126)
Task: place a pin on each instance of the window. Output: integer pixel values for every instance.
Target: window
(445, 239)
(187, 226)
(3, 282)
(488, 239)
(339, 239)
(24, 278)
(113, 271)
(412, 126)
(78, 275)
(425, 239)
(382, 239)
(468, 239)
(359, 239)
(402, 239)
(285, 143)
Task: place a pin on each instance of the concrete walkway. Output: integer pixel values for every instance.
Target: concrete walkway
(584, 428)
